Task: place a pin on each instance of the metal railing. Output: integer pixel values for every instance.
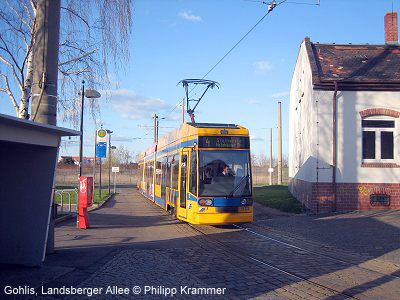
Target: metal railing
(67, 192)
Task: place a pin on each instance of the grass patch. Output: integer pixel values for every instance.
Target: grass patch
(97, 200)
(277, 196)
(104, 195)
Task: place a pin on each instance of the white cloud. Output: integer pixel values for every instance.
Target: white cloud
(186, 15)
(119, 138)
(132, 106)
(262, 66)
(282, 94)
(256, 138)
(253, 101)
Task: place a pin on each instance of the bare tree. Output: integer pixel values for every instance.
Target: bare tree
(94, 36)
(120, 157)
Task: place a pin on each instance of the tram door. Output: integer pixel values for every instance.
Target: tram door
(182, 185)
(163, 178)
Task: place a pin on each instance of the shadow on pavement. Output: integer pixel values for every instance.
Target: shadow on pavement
(130, 236)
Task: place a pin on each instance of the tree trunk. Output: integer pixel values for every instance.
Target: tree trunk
(26, 91)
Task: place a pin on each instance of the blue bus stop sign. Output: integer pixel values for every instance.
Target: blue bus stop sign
(101, 149)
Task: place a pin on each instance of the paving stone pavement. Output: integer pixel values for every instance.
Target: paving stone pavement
(134, 249)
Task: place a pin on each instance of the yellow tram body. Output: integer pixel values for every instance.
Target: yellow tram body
(184, 173)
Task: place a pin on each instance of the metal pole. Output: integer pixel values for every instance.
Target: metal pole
(270, 155)
(109, 163)
(155, 128)
(94, 162)
(279, 143)
(183, 110)
(81, 129)
(80, 151)
(100, 179)
(115, 176)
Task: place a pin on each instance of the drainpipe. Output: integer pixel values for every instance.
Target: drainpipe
(334, 146)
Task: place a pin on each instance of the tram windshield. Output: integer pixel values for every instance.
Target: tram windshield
(224, 173)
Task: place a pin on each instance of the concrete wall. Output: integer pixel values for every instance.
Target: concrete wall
(25, 194)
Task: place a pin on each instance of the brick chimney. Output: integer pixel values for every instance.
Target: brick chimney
(391, 28)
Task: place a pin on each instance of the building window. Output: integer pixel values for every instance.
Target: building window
(378, 139)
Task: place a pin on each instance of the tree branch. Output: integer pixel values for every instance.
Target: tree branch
(77, 58)
(12, 69)
(76, 15)
(5, 48)
(33, 4)
(8, 91)
(66, 73)
(3, 17)
(19, 16)
(31, 19)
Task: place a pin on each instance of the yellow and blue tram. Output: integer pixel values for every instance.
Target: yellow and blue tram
(201, 173)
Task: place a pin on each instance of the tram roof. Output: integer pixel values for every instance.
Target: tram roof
(189, 129)
(213, 125)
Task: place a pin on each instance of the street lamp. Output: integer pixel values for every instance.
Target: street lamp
(88, 94)
(109, 160)
(109, 169)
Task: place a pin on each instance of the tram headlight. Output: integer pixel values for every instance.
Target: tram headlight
(205, 202)
(247, 201)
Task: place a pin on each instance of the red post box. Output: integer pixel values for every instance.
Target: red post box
(85, 200)
(86, 191)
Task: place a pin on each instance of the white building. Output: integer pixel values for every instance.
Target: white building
(344, 125)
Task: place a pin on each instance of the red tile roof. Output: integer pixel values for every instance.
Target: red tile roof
(354, 67)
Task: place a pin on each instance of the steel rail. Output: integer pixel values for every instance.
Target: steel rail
(310, 251)
(238, 252)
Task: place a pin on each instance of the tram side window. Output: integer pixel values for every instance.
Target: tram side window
(175, 173)
(193, 173)
(168, 173)
(158, 172)
(164, 168)
(145, 171)
(142, 170)
(149, 171)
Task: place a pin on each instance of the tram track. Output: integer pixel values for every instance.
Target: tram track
(241, 254)
(288, 245)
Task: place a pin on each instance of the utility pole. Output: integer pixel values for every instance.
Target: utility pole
(44, 81)
(109, 160)
(81, 129)
(183, 110)
(155, 128)
(94, 162)
(100, 181)
(279, 143)
(270, 156)
(44, 87)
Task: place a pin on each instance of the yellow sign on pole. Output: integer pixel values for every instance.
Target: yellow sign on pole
(101, 136)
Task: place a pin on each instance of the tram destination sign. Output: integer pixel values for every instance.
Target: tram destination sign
(234, 142)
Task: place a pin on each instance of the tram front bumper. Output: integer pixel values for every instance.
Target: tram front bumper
(222, 218)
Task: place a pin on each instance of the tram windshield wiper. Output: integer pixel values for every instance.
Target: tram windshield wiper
(237, 186)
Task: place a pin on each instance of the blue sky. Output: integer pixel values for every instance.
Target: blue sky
(177, 39)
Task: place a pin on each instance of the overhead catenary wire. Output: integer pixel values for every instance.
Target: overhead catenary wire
(237, 44)
(233, 48)
(288, 2)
